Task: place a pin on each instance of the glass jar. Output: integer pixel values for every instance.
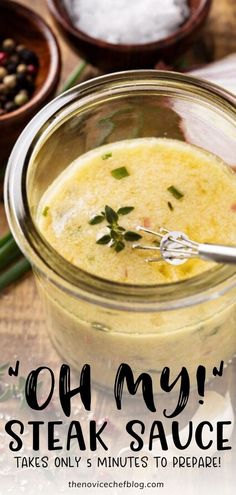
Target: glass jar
(95, 320)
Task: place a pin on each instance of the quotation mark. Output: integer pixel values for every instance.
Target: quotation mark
(14, 371)
(219, 371)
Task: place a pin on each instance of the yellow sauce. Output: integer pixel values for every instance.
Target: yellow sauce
(205, 212)
(148, 341)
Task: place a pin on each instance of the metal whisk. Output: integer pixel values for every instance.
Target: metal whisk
(176, 248)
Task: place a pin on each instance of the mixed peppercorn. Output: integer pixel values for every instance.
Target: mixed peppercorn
(18, 71)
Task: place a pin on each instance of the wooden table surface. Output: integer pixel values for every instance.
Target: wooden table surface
(21, 317)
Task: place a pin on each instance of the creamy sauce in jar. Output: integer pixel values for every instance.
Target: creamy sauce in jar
(143, 174)
(164, 182)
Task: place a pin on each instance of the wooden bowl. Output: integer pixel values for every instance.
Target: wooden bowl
(28, 28)
(110, 57)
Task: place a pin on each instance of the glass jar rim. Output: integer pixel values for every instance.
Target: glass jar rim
(206, 286)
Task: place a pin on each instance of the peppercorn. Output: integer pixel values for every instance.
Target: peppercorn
(8, 44)
(23, 92)
(3, 72)
(3, 57)
(14, 58)
(21, 68)
(29, 83)
(10, 80)
(11, 68)
(31, 69)
(29, 57)
(25, 84)
(21, 80)
(18, 70)
(21, 98)
(19, 48)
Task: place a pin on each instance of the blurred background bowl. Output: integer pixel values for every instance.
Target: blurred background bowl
(29, 29)
(110, 57)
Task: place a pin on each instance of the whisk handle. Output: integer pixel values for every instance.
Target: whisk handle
(218, 253)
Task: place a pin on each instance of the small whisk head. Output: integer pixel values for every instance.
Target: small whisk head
(175, 247)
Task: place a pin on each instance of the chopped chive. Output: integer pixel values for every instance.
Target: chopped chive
(5, 238)
(14, 273)
(120, 173)
(214, 331)
(125, 210)
(106, 156)
(170, 206)
(74, 76)
(45, 211)
(8, 253)
(175, 192)
(91, 259)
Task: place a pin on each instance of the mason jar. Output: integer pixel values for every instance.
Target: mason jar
(98, 321)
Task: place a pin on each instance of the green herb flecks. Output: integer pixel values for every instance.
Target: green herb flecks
(175, 192)
(105, 239)
(106, 156)
(170, 206)
(14, 272)
(125, 210)
(45, 211)
(111, 215)
(120, 173)
(91, 259)
(97, 219)
(215, 331)
(131, 236)
(74, 76)
(116, 235)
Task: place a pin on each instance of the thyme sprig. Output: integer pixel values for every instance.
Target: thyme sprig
(116, 235)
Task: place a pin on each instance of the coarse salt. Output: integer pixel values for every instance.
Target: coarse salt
(128, 21)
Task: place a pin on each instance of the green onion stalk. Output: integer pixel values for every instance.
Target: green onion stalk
(12, 263)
